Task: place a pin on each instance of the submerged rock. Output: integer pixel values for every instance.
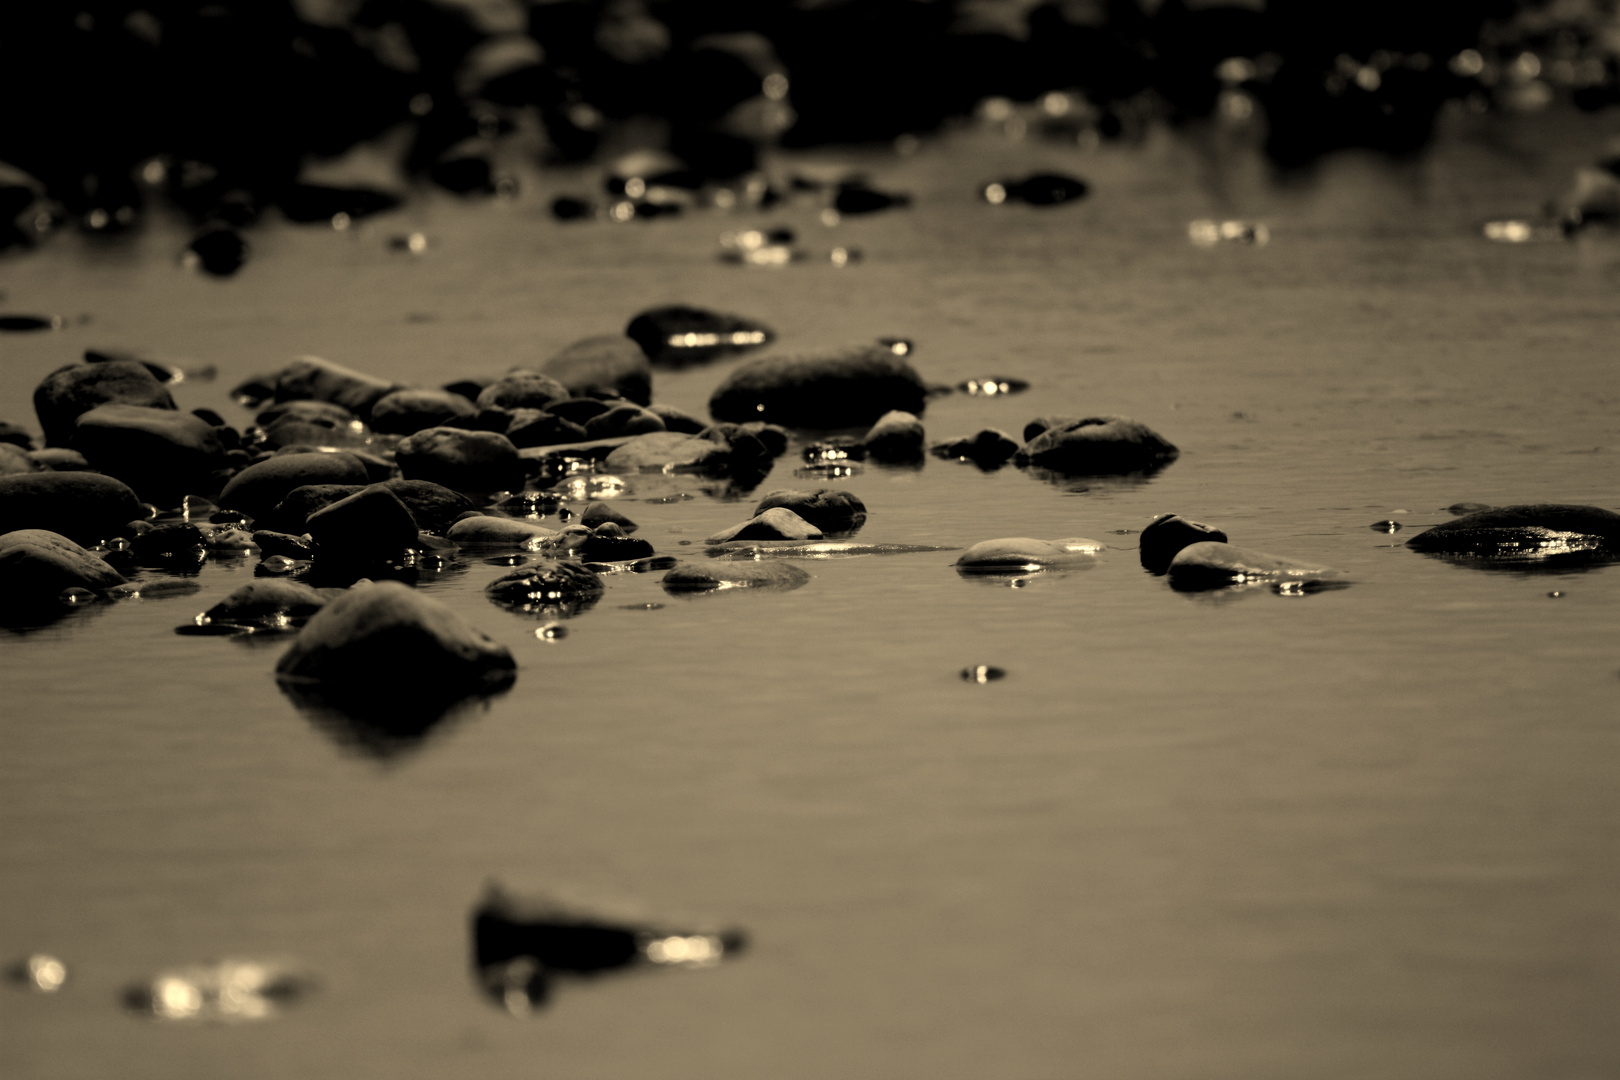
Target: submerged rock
(1168, 534)
(1022, 554)
(607, 543)
(1213, 565)
(671, 450)
(988, 449)
(69, 392)
(549, 587)
(1535, 533)
(37, 566)
(851, 388)
(1095, 446)
(611, 365)
(832, 511)
(725, 575)
(84, 506)
(484, 530)
(677, 335)
(773, 523)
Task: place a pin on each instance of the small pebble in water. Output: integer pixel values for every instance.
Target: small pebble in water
(982, 673)
(1385, 526)
(22, 324)
(432, 562)
(551, 632)
(41, 972)
(77, 597)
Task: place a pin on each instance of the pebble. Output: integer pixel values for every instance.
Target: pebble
(312, 378)
(1214, 565)
(162, 454)
(677, 335)
(1022, 554)
(465, 461)
(69, 392)
(600, 513)
(37, 566)
(407, 411)
(23, 324)
(1095, 446)
(1167, 534)
(1039, 189)
(989, 448)
(219, 251)
(370, 526)
(608, 543)
(610, 365)
(850, 388)
(855, 197)
(669, 450)
(773, 523)
(258, 489)
(549, 587)
(489, 531)
(85, 507)
(726, 575)
(1534, 532)
(523, 389)
(266, 604)
(895, 438)
(833, 511)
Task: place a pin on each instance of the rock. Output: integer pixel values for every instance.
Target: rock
(852, 388)
(608, 366)
(549, 588)
(59, 459)
(407, 411)
(316, 413)
(16, 435)
(266, 604)
(717, 575)
(1168, 534)
(292, 512)
(270, 542)
(370, 526)
(37, 565)
(177, 545)
(434, 506)
(988, 449)
(677, 335)
(1021, 554)
(1532, 532)
(827, 509)
(775, 523)
(607, 543)
(623, 420)
(1211, 565)
(532, 427)
(896, 438)
(678, 420)
(68, 393)
(14, 459)
(484, 530)
(600, 513)
(219, 250)
(86, 507)
(461, 460)
(523, 390)
(855, 197)
(312, 378)
(1040, 189)
(658, 450)
(258, 489)
(162, 453)
(1097, 446)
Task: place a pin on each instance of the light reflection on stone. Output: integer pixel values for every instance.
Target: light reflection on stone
(231, 990)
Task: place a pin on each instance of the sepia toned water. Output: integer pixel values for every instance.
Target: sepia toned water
(1365, 832)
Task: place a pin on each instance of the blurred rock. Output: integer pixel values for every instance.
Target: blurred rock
(1167, 535)
(1211, 565)
(677, 335)
(611, 365)
(86, 507)
(851, 388)
(69, 392)
(162, 453)
(258, 489)
(1096, 446)
(407, 411)
(896, 438)
(774, 523)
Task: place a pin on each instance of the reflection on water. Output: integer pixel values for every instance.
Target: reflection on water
(386, 722)
(231, 990)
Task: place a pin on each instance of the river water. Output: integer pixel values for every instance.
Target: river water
(1364, 832)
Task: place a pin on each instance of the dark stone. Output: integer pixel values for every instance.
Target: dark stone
(600, 513)
(370, 526)
(258, 489)
(24, 324)
(1168, 534)
(1211, 565)
(461, 460)
(608, 366)
(660, 449)
(482, 530)
(677, 335)
(70, 392)
(855, 197)
(1045, 189)
(776, 523)
(852, 388)
(1546, 533)
(316, 413)
(548, 588)
(532, 427)
(1021, 554)
(312, 378)
(219, 251)
(679, 420)
(434, 506)
(60, 459)
(1467, 507)
(579, 410)
(623, 420)
(86, 507)
(293, 511)
(568, 208)
(15, 434)
(1097, 446)
(464, 175)
(827, 509)
(722, 574)
(266, 603)
(174, 544)
(279, 543)
(988, 449)
(290, 431)
(608, 543)
(523, 390)
(36, 565)
(161, 453)
(896, 438)
(407, 411)
(14, 459)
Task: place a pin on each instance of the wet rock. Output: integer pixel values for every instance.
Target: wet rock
(548, 587)
(14, 459)
(600, 513)
(219, 251)
(855, 197)
(990, 448)
(162, 453)
(659, 450)
(1467, 508)
(434, 506)
(312, 378)
(523, 390)
(828, 509)
(25, 324)
(317, 413)
(623, 420)
(292, 512)
(1212, 565)
(38, 565)
(677, 335)
(678, 419)
(370, 526)
(487, 531)
(775, 523)
(579, 410)
(266, 604)
(177, 545)
(1097, 446)
(258, 489)
(608, 543)
(271, 544)
(59, 459)
(69, 392)
(461, 460)
(405, 412)
(16, 435)
(608, 366)
(852, 388)
(84, 506)
(532, 427)
(720, 575)
(1534, 533)
(1168, 534)
(1040, 189)
(1022, 554)
(896, 438)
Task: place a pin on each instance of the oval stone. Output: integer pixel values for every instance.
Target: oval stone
(83, 506)
(1097, 446)
(1524, 532)
(850, 388)
(723, 575)
(36, 565)
(1020, 554)
(610, 365)
(1213, 565)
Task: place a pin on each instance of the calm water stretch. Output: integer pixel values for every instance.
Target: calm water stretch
(1365, 832)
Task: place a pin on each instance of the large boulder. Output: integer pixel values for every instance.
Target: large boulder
(310, 377)
(1096, 446)
(84, 506)
(461, 460)
(162, 453)
(1526, 533)
(258, 489)
(69, 392)
(851, 388)
(608, 366)
(37, 565)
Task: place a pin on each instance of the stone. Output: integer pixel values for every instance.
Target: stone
(69, 392)
(293, 511)
(312, 378)
(176, 544)
(623, 420)
(677, 335)
(1039, 189)
(434, 506)
(1168, 534)
(258, 489)
(270, 542)
(832, 511)
(851, 388)
(533, 427)
(989, 448)
(600, 513)
(370, 526)
(37, 565)
(407, 411)
(579, 410)
(523, 390)
(266, 603)
(293, 430)
(60, 459)
(463, 461)
(1021, 554)
(550, 588)
(896, 438)
(775, 523)
(317, 413)
(1097, 446)
(608, 543)
(611, 365)
(14, 459)
(659, 450)
(723, 575)
(678, 419)
(1213, 565)
(1526, 532)
(85, 507)
(162, 453)
(16, 435)
(486, 530)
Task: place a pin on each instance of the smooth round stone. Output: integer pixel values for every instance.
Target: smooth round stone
(533, 427)
(59, 459)
(775, 523)
(461, 460)
(851, 388)
(312, 378)
(292, 512)
(1097, 446)
(1213, 565)
(69, 392)
(677, 335)
(434, 506)
(372, 525)
(1524, 532)
(1168, 534)
(258, 489)
(84, 506)
(658, 450)
(319, 413)
(407, 411)
(285, 545)
(897, 437)
(176, 543)
(38, 565)
(611, 365)
(266, 602)
(623, 420)
(162, 453)
(1017, 554)
(988, 448)
(722, 575)
(828, 509)
(678, 419)
(523, 390)
(600, 513)
(14, 459)
(547, 587)
(487, 531)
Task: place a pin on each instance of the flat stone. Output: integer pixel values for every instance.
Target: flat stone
(36, 565)
(59, 459)
(623, 420)
(851, 388)
(14, 459)
(1097, 446)
(162, 453)
(988, 448)
(535, 427)
(611, 365)
(668, 449)
(1013, 554)
(312, 378)
(488, 531)
(1526, 532)
(461, 460)
(1168, 534)
(828, 509)
(897, 437)
(258, 489)
(372, 525)
(1212, 565)
(717, 575)
(266, 603)
(69, 392)
(775, 523)
(407, 411)
(86, 507)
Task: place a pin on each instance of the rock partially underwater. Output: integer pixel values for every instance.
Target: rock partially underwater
(851, 388)
(1023, 554)
(1168, 534)
(1546, 535)
(725, 575)
(550, 588)
(1094, 446)
(1214, 565)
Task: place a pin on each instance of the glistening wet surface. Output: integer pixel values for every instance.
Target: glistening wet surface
(1365, 831)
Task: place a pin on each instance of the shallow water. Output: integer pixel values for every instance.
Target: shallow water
(1362, 832)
